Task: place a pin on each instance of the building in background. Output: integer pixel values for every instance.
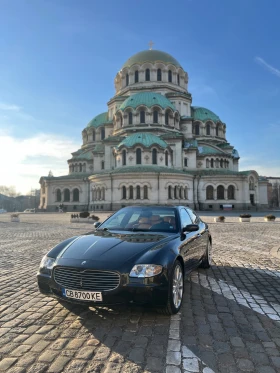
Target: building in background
(273, 191)
(151, 146)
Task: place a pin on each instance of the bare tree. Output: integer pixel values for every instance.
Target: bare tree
(9, 191)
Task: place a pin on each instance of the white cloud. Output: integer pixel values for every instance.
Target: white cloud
(268, 67)
(24, 161)
(9, 107)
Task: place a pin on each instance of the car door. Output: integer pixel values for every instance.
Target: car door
(202, 235)
(188, 245)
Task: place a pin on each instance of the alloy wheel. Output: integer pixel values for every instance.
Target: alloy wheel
(177, 286)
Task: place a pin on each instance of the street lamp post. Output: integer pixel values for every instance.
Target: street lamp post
(86, 179)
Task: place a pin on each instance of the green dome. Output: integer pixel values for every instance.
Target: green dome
(145, 139)
(148, 99)
(99, 120)
(203, 114)
(151, 56)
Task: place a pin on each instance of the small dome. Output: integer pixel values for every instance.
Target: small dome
(203, 114)
(151, 56)
(148, 99)
(99, 120)
(145, 139)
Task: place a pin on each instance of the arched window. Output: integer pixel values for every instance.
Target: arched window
(209, 192)
(166, 158)
(102, 165)
(124, 192)
(130, 119)
(159, 75)
(124, 157)
(136, 76)
(66, 195)
(58, 195)
(220, 192)
(170, 192)
(230, 192)
(154, 156)
(93, 136)
(212, 163)
(76, 195)
(142, 116)
(196, 129)
(169, 76)
(251, 183)
(217, 130)
(102, 133)
(131, 192)
(127, 79)
(121, 121)
(185, 162)
(221, 163)
(208, 129)
(167, 118)
(180, 193)
(145, 192)
(186, 193)
(80, 167)
(155, 116)
(176, 192)
(147, 75)
(138, 156)
(178, 79)
(138, 196)
(217, 163)
(207, 163)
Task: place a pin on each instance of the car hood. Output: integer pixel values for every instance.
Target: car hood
(107, 247)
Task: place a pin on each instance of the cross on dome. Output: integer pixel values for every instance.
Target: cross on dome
(151, 43)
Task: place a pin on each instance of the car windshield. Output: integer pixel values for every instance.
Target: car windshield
(147, 219)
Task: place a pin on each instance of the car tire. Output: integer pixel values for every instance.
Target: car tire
(175, 290)
(207, 258)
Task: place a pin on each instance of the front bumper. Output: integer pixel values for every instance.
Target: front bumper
(153, 290)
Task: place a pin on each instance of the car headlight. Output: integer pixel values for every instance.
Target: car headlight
(46, 265)
(145, 270)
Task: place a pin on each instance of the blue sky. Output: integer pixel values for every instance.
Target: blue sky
(59, 59)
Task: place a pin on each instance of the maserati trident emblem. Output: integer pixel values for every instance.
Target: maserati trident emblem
(84, 262)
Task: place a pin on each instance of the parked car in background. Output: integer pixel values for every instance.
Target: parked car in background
(29, 211)
(138, 255)
(2, 211)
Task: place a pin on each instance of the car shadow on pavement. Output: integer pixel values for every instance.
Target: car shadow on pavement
(129, 338)
(231, 319)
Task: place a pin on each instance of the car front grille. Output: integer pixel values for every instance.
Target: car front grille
(89, 279)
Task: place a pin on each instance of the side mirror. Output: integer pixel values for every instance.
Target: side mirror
(191, 228)
(96, 224)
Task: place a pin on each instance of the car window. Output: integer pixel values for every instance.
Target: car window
(185, 218)
(152, 219)
(193, 216)
(116, 220)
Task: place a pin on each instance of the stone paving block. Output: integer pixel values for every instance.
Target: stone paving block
(173, 357)
(6, 363)
(59, 364)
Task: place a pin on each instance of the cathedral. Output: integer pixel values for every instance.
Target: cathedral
(151, 146)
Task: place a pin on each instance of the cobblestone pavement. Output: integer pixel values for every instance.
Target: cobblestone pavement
(229, 322)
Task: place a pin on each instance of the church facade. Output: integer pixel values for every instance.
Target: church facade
(151, 146)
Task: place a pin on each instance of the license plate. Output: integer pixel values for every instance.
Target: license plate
(92, 296)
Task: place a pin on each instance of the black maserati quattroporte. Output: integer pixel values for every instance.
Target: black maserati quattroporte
(138, 255)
